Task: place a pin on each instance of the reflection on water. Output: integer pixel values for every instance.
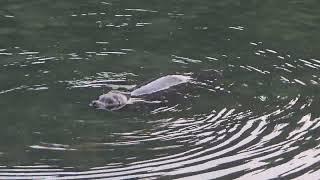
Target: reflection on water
(251, 110)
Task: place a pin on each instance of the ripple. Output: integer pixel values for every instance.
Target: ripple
(242, 140)
(50, 146)
(141, 10)
(114, 81)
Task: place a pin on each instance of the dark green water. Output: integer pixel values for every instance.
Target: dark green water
(252, 110)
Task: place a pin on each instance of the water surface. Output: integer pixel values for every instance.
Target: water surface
(251, 110)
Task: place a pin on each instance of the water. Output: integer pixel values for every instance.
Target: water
(251, 111)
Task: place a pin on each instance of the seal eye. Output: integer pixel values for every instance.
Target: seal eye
(93, 103)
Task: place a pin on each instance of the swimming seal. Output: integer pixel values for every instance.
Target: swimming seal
(115, 100)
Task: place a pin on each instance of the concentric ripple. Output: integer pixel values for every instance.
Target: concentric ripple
(250, 145)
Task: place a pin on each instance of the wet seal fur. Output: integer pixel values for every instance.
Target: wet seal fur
(115, 100)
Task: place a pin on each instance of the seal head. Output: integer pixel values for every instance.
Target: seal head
(111, 101)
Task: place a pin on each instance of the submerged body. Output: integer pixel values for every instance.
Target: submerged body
(115, 100)
(160, 84)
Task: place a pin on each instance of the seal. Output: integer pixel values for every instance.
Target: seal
(115, 100)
